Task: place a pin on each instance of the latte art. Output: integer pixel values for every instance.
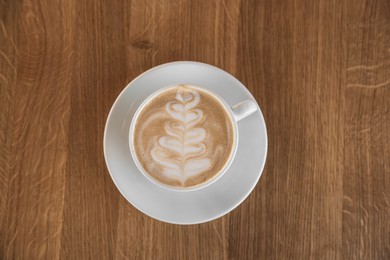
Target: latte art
(183, 137)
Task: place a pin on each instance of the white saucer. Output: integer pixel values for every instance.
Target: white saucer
(196, 206)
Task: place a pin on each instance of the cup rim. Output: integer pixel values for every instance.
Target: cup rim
(198, 186)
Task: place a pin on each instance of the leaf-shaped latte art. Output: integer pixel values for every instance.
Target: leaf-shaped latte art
(183, 139)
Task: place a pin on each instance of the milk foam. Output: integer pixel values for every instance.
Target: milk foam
(183, 138)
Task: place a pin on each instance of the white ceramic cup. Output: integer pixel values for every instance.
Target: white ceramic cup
(236, 113)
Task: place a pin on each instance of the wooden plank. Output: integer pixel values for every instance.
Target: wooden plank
(98, 75)
(366, 181)
(41, 108)
(296, 74)
(8, 74)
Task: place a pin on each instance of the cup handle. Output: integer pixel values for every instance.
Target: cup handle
(244, 109)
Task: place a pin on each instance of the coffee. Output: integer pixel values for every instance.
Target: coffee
(183, 137)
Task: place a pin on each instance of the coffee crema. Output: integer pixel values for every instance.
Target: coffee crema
(183, 137)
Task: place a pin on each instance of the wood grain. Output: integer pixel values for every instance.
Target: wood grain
(320, 71)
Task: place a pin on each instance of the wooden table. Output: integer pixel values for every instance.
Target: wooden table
(320, 71)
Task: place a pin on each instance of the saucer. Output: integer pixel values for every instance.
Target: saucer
(196, 206)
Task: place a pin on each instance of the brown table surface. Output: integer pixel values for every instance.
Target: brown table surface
(320, 71)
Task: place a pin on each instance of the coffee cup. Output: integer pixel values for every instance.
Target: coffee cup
(185, 137)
